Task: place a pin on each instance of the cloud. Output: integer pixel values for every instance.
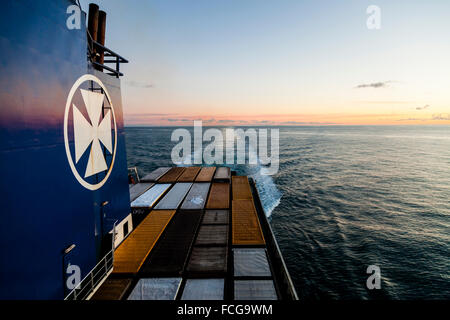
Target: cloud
(137, 84)
(423, 108)
(441, 116)
(179, 120)
(375, 85)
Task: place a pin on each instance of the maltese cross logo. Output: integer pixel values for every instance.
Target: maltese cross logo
(85, 133)
(89, 135)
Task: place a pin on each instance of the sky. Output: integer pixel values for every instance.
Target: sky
(254, 62)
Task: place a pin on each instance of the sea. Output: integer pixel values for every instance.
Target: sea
(346, 198)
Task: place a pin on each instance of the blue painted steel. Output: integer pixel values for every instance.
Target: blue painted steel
(43, 207)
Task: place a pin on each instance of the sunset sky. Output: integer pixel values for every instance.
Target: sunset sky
(255, 62)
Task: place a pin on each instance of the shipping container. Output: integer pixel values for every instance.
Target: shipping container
(254, 290)
(112, 289)
(216, 217)
(174, 197)
(155, 174)
(151, 196)
(189, 174)
(241, 188)
(137, 189)
(203, 289)
(132, 252)
(208, 260)
(251, 262)
(212, 235)
(196, 198)
(222, 174)
(245, 224)
(155, 289)
(206, 174)
(219, 197)
(170, 254)
(172, 175)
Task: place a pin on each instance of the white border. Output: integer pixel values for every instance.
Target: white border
(80, 80)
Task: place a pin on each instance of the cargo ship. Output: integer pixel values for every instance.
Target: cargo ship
(76, 224)
(200, 234)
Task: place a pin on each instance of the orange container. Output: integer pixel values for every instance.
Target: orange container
(130, 255)
(219, 196)
(206, 174)
(189, 174)
(241, 188)
(245, 222)
(172, 175)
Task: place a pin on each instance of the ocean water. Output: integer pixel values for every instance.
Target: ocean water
(346, 197)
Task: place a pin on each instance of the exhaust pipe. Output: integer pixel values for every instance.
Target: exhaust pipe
(93, 21)
(101, 36)
(97, 30)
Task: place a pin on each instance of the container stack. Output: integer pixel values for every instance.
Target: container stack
(143, 203)
(199, 237)
(130, 255)
(137, 189)
(208, 263)
(251, 270)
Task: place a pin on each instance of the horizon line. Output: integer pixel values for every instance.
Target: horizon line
(294, 125)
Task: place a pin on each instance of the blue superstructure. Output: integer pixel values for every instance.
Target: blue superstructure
(44, 208)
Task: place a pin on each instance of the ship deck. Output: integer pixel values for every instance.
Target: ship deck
(199, 234)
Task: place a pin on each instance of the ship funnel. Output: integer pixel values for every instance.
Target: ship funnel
(97, 28)
(101, 36)
(93, 21)
(96, 31)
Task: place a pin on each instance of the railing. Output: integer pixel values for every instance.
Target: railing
(94, 50)
(87, 286)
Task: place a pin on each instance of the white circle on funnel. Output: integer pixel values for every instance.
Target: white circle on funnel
(90, 136)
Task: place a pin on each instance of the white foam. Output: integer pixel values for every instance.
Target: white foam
(269, 194)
